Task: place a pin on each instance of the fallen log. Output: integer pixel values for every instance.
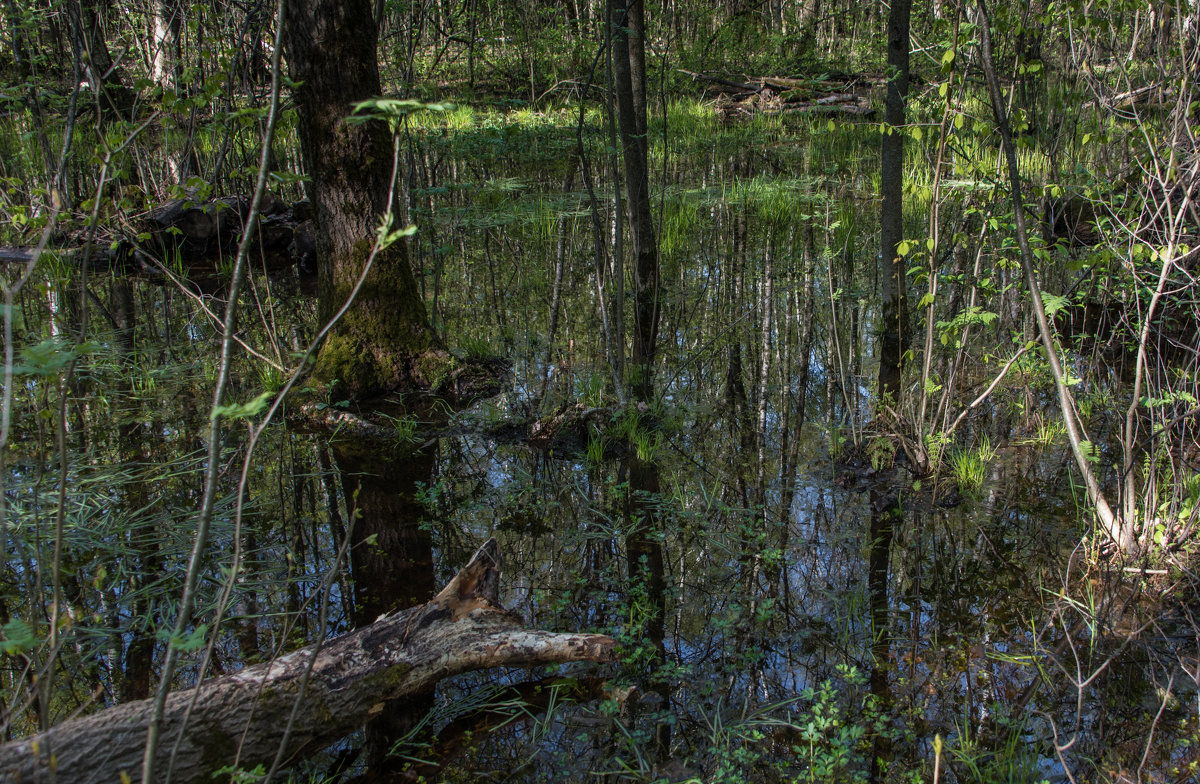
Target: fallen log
(792, 89)
(97, 257)
(858, 109)
(195, 234)
(568, 430)
(838, 98)
(739, 86)
(243, 718)
(200, 229)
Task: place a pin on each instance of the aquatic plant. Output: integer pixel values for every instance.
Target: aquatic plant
(970, 466)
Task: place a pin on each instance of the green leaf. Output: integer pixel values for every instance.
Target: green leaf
(244, 410)
(17, 637)
(386, 237)
(51, 355)
(393, 110)
(1054, 302)
(194, 641)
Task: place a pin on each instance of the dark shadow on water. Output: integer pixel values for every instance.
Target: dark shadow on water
(391, 562)
(886, 513)
(646, 578)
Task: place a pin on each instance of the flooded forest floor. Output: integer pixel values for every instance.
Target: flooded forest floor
(804, 586)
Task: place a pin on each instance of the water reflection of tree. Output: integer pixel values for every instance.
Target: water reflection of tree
(391, 562)
(647, 584)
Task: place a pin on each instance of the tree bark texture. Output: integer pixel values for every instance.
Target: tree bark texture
(893, 329)
(241, 719)
(116, 101)
(629, 71)
(383, 342)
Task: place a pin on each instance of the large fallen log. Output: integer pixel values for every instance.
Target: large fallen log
(242, 717)
(197, 235)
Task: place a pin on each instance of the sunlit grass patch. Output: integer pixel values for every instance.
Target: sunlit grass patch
(689, 116)
(970, 466)
(774, 201)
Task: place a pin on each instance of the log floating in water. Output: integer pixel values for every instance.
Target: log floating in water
(243, 716)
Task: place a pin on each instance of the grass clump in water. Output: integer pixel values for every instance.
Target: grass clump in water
(970, 466)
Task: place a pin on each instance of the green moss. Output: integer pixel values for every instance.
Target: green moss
(388, 682)
(383, 343)
(435, 368)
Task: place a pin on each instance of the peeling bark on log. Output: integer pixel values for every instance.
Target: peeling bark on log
(772, 95)
(242, 717)
(859, 107)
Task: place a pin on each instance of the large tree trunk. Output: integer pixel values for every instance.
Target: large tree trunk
(243, 719)
(383, 342)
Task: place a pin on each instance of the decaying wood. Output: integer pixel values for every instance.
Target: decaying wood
(96, 257)
(17, 255)
(193, 233)
(201, 229)
(1152, 96)
(568, 430)
(856, 106)
(740, 86)
(826, 84)
(774, 94)
(242, 718)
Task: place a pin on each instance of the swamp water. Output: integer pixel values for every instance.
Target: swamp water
(728, 535)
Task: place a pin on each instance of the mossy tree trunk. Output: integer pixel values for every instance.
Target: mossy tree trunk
(383, 343)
